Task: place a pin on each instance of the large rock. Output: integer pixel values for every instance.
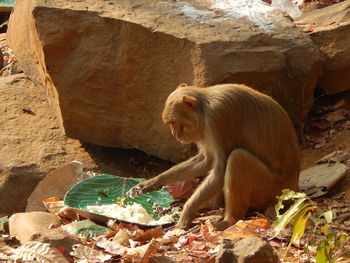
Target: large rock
(331, 32)
(108, 66)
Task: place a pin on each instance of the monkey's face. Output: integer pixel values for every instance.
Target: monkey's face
(185, 130)
(183, 118)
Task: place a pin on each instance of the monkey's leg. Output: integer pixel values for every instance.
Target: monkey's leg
(248, 183)
(209, 188)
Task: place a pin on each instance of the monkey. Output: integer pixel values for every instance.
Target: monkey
(247, 149)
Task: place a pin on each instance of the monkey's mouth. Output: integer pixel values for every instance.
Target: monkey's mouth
(183, 141)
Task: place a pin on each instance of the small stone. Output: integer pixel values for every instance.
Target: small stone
(34, 226)
(246, 250)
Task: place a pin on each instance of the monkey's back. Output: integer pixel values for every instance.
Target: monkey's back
(255, 122)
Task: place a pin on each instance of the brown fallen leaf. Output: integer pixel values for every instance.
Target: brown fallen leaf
(152, 249)
(322, 124)
(149, 234)
(319, 142)
(181, 190)
(336, 156)
(337, 115)
(122, 237)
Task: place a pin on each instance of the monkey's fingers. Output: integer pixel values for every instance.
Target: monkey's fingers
(135, 191)
(150, 187)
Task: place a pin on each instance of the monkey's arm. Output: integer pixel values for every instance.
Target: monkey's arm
(192, 168)
(209, 188)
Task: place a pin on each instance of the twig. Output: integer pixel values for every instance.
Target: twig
(343, 217)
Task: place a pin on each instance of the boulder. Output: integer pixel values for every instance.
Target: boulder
(330, 30)
(246, 250)
(35, 226)
(108, 66)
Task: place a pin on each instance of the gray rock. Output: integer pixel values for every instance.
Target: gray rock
(246, 250)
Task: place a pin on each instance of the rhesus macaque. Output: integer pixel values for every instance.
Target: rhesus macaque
(247, 148)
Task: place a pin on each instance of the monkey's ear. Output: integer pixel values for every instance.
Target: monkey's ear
(182, 85)
(190, 102)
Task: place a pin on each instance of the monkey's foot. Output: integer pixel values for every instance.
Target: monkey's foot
(224, 224)
(230, 220)
(220, 225)
(183, 223)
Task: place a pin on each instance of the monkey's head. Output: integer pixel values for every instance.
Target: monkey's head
(182, 111)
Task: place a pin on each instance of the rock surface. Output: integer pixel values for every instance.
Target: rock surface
(317, 180)
(32, 145)
(55, 184)
(109, 66)
(246, 250)
(34, 226)
(331, 32)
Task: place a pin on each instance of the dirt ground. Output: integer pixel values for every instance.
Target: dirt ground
(337, 136)
(310, 155)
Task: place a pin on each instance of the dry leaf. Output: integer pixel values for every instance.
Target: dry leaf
(122, 237)
(336, 156)
(322, 124)
(53, 206)
(198, 249)
(111, 247)
(149, 234)
(181, 190)
(337, 115)
(86, 254)
(152, 249)
(41, 252)
(319, 142)
(186, 240)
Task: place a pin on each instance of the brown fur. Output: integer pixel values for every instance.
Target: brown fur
(247, 146)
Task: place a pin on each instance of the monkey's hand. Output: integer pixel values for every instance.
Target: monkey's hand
(143, 187)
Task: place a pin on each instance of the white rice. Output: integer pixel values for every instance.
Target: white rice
(134, 213)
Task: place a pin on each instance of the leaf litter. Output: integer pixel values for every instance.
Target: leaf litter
(199, 244)
(118, 241)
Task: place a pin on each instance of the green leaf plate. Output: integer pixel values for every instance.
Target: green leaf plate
(106, 189)
(7, 3)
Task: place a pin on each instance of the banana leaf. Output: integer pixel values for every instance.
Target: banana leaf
(7, 3)
(108, 189)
